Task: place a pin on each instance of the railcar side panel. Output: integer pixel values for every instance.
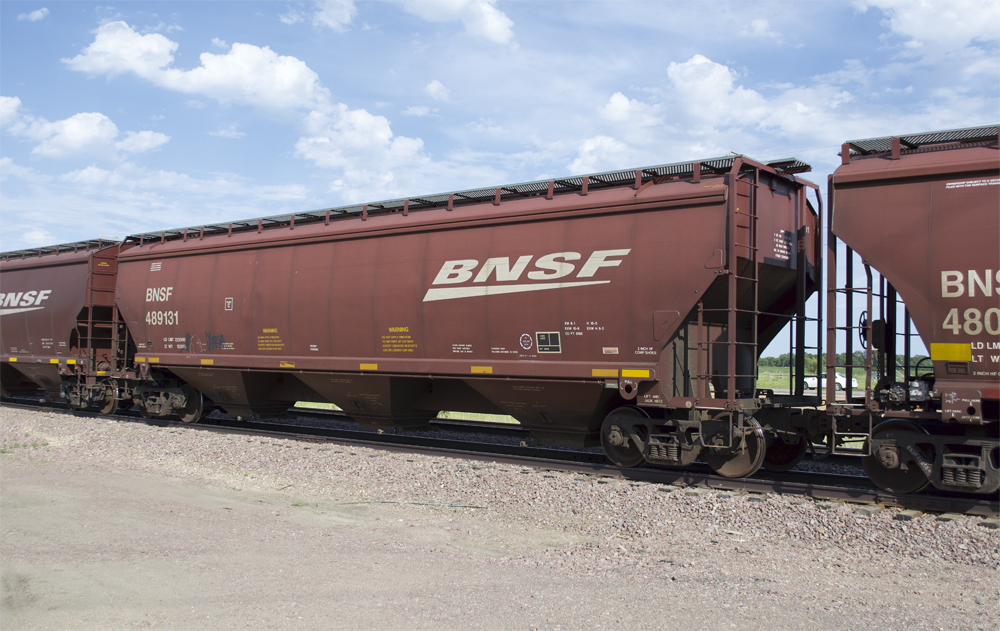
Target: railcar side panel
(41, 300)
(583, 289)
(929, 222)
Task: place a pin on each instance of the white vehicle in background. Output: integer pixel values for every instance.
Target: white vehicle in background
(840, 382)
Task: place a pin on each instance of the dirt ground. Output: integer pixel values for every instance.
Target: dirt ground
(102, 548)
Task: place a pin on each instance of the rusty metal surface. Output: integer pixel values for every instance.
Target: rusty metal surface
(927, 219)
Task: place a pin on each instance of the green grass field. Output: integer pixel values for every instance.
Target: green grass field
(772, 377)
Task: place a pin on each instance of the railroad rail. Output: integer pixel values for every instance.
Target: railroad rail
(817, 486)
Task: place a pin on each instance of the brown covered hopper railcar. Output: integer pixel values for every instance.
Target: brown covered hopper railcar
(636, 301)
(923, 211)
(57, 310)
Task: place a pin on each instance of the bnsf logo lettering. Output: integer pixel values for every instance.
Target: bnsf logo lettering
(158, 294)
(19, 302)
(25, 299)
(953, 284)
(547, 268)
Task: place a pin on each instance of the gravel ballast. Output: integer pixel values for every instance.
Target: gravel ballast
(376, 539)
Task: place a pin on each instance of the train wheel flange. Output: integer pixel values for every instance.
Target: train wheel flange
(782, 456)
(616, 439)
(195, 407)
(890, 468)
(746, 455)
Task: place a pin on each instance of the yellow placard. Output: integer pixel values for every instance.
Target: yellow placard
(604, 372)
(635, 374)
(951, 352)
(286, 364)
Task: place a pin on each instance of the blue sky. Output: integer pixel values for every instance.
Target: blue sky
(121, 118)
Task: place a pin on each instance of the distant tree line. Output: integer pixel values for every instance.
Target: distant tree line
(813, 362)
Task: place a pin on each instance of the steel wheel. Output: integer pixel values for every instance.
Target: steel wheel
(615, 440)
(110, 394)
(746, 456)
(195, 408)
(885, 470)
(782, 456)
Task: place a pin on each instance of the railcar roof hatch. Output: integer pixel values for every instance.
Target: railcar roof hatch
(79, 246)
(969, 136)
(493, 194)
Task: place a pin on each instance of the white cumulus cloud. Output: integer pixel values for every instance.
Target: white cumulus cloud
(360, 149)
(247, 74)
(417, 110)
(334, 14)
(480, 17)
(369, 159)
(622, 109)
(9, 169)
(707, 90)
(118, 49)
(600, 154)
(292, 17)
(761, 29)
(231, 131)
(9, 106)
(141, 141)
(951, 25)
(437, 91)
(34, 16)
(85, 134)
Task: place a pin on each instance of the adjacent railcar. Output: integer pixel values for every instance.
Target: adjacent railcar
(57, 309)
(923, 211)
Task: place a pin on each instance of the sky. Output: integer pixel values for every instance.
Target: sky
(139, 116)
(120, 118)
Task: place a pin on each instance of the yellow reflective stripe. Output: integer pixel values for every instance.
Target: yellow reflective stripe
(153, 360)
(53, 361)
(286, 364)
(482, 369)
(604, 372)
(640, 374)
(207, 362)
(13, 359)
(70, 361)
(140, 359)
(369, 366)
(951, 352)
